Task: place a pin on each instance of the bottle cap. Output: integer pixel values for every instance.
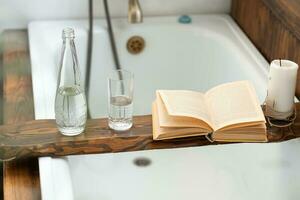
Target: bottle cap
(68, 33)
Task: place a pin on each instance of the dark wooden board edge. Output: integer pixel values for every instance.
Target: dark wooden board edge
(21, 180)
(20, 177)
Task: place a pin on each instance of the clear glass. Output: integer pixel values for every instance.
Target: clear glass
(120, 97)
(70, 101)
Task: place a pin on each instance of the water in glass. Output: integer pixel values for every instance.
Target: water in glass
(70, 110)
(120, 113)
(120, 97)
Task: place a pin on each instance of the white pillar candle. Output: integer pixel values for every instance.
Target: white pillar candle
(281, 89)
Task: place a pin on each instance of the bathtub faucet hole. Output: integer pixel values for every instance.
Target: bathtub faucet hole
(142, 162)
(135, 45)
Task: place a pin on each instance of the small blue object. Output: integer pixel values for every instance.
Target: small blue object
(185, 19)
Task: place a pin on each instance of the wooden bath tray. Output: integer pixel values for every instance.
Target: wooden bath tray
(41, 138)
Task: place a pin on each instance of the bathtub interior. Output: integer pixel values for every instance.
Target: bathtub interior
(228, 172)
(175, 57)
(197, 56)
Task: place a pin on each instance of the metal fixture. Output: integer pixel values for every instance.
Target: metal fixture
(135, 45)
(111, 35)
(135, 14)
(89, 55)
(142, 162)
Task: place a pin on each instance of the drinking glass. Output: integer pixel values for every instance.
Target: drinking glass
(120, 97)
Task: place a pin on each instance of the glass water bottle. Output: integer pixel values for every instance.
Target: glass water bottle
(70, 101)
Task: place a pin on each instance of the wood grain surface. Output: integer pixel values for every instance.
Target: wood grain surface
(273, 26)
(39, 138)
(287, 12)
(17, 87)
(21, 177)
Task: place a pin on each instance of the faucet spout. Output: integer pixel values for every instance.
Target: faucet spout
(135, 13)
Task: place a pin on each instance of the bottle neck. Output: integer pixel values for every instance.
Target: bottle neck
(69, 75)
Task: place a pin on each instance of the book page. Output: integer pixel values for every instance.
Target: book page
(160, 133)
(166, 120)
(182, 103)
(234, 103)
(256, 133)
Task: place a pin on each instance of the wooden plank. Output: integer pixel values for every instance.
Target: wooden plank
(21, 178)
(271, 33)
(288, 13)
(17, 85)
(1, 111)
(39, 138)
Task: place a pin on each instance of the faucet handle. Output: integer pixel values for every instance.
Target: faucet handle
(135, 13)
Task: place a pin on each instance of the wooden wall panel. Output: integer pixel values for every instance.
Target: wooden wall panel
(272, 26)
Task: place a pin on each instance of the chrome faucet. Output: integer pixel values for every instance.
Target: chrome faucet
(135, 13)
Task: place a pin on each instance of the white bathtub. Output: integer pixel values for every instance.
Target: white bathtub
(197, 56)
(223, 172)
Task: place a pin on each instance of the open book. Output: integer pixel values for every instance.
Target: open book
(229, 112)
